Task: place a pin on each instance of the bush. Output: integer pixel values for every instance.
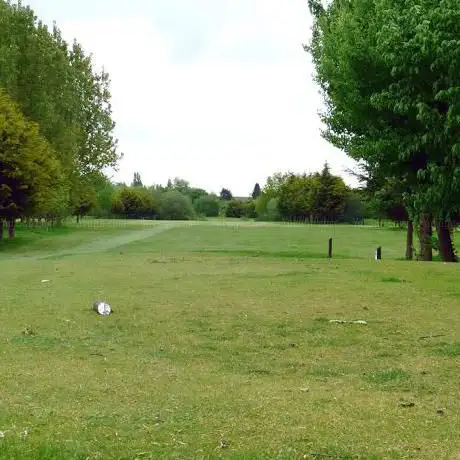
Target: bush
(272, 210)
(176, 206)
(266, 208)
(207, 206)
(250, 210)
(235, 209)
(134, 203)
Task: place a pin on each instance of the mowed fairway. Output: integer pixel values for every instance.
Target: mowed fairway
(220, 345)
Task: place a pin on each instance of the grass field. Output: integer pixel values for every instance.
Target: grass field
(220, 344)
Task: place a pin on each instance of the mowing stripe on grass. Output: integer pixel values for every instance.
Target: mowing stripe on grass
(106, 244)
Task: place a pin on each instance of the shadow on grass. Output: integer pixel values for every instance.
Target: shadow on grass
(25, 236)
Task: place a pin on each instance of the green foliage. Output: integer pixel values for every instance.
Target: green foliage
(207, 205)
(30, 174)
(387, 204)
(317, 197)
(328, 195)
(273, 213)
(295, 201)
(273, 186)
(388, 71)
(134, 203)
(256, 191)
(82, 196)
(261, 205)
(235, 209)
(137, 181)
(195, 193)
(354, 209)
(184, 187)
(55, 85)
(226, 195)
(175, 206)
(105, 191)
(250, 209)
(97, 148)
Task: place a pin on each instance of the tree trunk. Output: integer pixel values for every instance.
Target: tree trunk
(410, 241)
(1, 230)
(426, 233)
(446, 247)
(11, 228)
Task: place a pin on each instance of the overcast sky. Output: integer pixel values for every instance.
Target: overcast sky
(218, 92)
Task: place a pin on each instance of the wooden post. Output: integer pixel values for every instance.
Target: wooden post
(378, 253)
(410, 240)
(329, 253)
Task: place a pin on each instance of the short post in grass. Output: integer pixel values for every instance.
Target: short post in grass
(329, 251)
(378, 254)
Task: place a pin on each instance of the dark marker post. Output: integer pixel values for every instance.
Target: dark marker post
(329, 253)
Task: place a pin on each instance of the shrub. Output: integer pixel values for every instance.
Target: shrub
(207, 205)
(235, 209)
(176, 206)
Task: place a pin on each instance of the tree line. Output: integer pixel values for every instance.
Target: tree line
(56, 127)
(389, 71)
(317, 197)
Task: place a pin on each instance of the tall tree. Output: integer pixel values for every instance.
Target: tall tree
(30, 174)
(105, 191)
(295, 198)
(256, 191)
(387, 70)
(83, 196)
(226, 194)
(179, 184)
(97, 147)
(55, 85)
(329, 196)
(137, 181)
(320, 197)
(274, 183)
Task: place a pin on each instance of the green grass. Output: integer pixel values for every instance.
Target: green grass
(221, 331)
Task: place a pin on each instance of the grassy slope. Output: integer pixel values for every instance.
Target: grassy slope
(222, 332)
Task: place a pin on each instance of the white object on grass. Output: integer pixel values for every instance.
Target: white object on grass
(342, 321)
(102, 308)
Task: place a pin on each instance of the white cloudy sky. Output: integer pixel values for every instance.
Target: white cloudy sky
(218, 92)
